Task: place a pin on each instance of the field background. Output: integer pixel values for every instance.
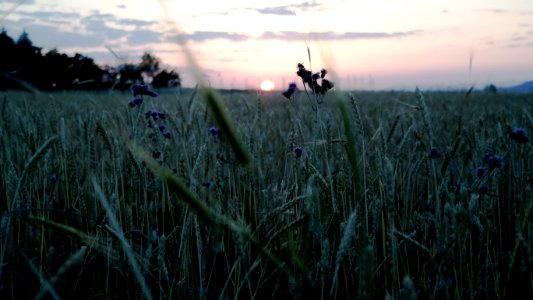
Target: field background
(393, 223)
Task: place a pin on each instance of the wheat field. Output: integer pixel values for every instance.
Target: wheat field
(365, 195)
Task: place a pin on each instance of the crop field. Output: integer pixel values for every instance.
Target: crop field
(203, 194)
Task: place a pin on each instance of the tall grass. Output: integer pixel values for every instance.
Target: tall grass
(373, 217)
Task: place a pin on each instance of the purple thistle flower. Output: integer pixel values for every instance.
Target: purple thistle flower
(143, 89)
(326, 85)
(481, 172)
(519, 135)
(434, 153)
(214, 130)
(290, 91)
(135, 102)
(298, 151)
(292, 86)
(162, 128)
(306, 75)
(53, 179)
(483, 189)
(316, 87)
(493, 161)
(155, 115)
(207, 184)
(138, 101)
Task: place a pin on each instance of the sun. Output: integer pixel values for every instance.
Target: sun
(267, 85)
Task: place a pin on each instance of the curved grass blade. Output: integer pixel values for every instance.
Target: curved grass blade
(224, 122)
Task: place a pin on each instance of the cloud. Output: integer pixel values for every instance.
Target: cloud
(202, 36)
(97, 24)
(133, 22)
(307, 5)
(280, 10)
(143, 37)
(44, 35)
(18, 1)
(71, 30)
(287, 10)
(497, 11)
(330, 35)
(47, 15)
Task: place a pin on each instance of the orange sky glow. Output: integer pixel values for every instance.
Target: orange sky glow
(370, 45)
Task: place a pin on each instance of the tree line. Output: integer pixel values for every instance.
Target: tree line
(24, 66)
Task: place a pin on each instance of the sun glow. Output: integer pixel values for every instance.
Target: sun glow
(267, 85)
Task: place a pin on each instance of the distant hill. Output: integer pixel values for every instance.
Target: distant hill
(526, 87)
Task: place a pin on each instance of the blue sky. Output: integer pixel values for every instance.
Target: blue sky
(365, 44)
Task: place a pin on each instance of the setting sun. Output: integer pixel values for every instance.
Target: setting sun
(267, 85)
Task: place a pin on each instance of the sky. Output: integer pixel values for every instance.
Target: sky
(370, 45)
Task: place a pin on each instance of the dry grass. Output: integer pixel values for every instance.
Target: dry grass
(363, 214)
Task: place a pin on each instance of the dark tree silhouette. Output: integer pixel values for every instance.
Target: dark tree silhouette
(8, 49)
(149, 65)
(165, 79)
(129, 74)
(491, 88)
(23, 66)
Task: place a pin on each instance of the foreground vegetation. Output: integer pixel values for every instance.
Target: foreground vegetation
(414, 194)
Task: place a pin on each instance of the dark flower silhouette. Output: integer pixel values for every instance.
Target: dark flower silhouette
(143, 89)
(136, 102)
(434, 153)
(323, 73)
(481, 172)
(312, 79)
(215, 132)
(483, 189)
(493, 161)
(155, 115)
(290, 91)
(298, 151)
(326, 85)
(207, 184)
(519, 135)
